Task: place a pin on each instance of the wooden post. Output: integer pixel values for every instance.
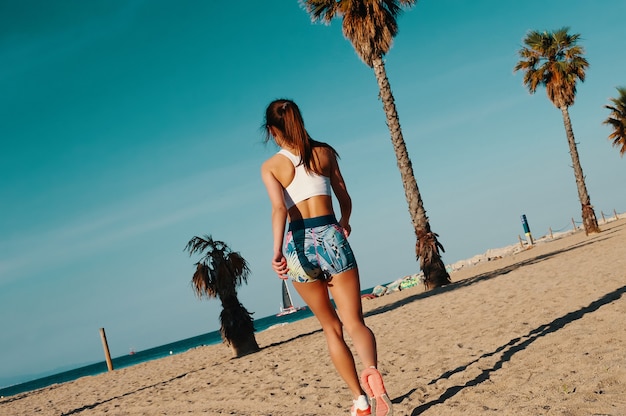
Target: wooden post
(615, 212)
(105, 345)
(551, 236)
(603, 219)
(520, 241)
(574, 224)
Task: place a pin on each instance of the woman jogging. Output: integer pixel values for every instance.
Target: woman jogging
(317, 256)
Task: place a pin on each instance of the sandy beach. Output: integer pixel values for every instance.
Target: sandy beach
(537, 332)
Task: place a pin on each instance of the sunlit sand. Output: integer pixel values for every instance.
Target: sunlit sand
(538, 331)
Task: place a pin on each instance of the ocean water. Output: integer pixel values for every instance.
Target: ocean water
(177, 347)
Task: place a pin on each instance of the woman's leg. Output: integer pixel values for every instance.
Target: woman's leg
(346, 291)
(315, 294)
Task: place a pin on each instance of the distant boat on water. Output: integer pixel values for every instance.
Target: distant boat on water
(287, 306)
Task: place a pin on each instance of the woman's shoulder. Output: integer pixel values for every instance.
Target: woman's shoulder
(324, 148)
(325, 152)
(269, 161)
(275, 161)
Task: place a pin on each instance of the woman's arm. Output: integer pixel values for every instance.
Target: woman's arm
(279, 217)
(341, 192)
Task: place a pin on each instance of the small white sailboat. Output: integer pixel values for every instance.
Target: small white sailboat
(287, 306)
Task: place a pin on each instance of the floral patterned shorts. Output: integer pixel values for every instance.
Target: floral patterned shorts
(317, 249)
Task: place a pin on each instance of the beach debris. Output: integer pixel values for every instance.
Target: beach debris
(379, 290)
(399, 284)
(413, 280)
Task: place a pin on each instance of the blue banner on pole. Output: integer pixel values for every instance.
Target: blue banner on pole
(525, 224)
(529, 237)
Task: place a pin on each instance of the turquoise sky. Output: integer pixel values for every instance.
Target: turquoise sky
(128, 127)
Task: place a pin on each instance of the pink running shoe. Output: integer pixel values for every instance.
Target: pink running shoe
(373, 385)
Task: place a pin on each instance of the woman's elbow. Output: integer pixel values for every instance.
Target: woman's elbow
(279, 210)
(345, 200)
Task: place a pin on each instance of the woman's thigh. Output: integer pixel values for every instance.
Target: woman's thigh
(346, 292)
(315, 295)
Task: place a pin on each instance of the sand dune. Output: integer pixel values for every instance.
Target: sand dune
(537, 332)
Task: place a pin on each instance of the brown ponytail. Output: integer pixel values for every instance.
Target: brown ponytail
(285, 116)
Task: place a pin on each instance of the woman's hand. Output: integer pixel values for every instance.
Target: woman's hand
(346, 227)
(279, 264)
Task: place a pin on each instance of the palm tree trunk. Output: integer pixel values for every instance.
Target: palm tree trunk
(590, 222)
(427, 247)
(237, 326)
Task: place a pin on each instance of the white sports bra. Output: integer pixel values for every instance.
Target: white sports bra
(304, 185)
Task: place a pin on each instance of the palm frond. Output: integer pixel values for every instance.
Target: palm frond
(323, 11)
(553, 60)
(203, 281)
(617, 120)
(370, 25)
(239, 267)
(219, 270)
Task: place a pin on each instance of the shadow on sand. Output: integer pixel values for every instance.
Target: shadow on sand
(509, 349)
(484, 276)
(461, 284)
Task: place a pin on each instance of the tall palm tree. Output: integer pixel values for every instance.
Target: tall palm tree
(218, 273)
(617, 120)
(370, 25)
(555, 60)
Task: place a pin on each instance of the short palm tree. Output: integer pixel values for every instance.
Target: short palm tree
(218, 273)
(370, 25)
(617, 120)
(555, 60)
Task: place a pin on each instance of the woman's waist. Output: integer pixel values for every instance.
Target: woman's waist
(312, 222)
(317, 206)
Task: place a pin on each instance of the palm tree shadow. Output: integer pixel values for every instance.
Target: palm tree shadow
(481, 277)
(166, 382)
(288, 340)
(455, 286)
(509, 349)
(130, 393)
